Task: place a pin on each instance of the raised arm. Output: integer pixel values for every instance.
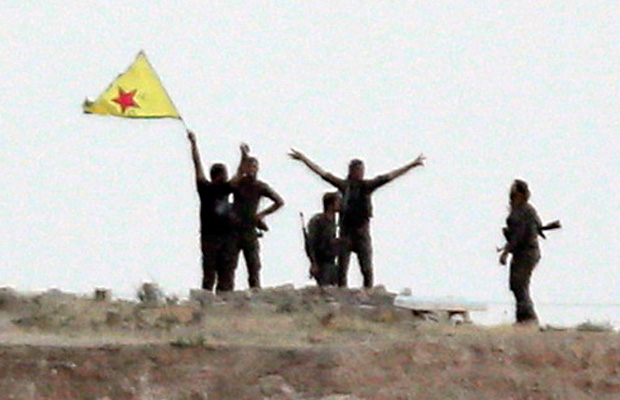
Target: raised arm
(330, 178)
(245, 151)
(200, 174)
(419, 161)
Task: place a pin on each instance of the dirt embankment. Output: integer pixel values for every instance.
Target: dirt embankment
(286, 346)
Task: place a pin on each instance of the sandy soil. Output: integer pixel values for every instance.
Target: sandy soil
(285, 344)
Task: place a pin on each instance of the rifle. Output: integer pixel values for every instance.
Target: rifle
(547, 227)
(550, 226)
(312, 271)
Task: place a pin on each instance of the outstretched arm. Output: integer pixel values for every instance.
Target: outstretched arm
(200, 174)
(299, 156)
(418, 162)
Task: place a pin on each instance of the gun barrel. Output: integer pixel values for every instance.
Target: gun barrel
(552, 225)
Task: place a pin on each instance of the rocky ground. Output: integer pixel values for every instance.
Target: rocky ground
(285, 344)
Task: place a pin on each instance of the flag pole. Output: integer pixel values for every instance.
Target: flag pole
(184, 124)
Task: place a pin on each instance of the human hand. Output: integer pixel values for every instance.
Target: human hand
(419, 161)
(314, 270)
(296, 155)
(191, 136)
(503, 257)
(245, 149)
(261, 225)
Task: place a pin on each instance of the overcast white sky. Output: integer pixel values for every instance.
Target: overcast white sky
(488, 90)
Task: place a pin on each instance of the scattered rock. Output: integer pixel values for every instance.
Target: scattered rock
(317, 337)
(113, 319)
(9, 299)
(150, 293)
(102, 294)
(590, 326)
(288, 287)
(384, 315)
(236, 296)
(198, 396)
(326, 319)
(202, 297)
(553, 328)
(57, 293)
(379, 289)
(362, 297)
(276, 386)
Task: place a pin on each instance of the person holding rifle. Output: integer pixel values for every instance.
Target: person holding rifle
(356, 211)
(523, 226)
(322, 243)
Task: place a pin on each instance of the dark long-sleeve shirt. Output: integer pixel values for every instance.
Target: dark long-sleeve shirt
(356, 199)
(523, 226)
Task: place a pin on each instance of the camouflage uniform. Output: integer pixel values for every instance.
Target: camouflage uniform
(323, 248)
(355, 224)
(523, 227)
(216, 235)
(247, 194)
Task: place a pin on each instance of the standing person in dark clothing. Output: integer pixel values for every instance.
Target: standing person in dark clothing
(248, 191)
(216, 231)
(521, 232)
(322, 241)
(356, 211)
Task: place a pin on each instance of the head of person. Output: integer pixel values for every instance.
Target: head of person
(250, 167)
(218, 173)
(356, 170)
(519, 192)
(332, 202)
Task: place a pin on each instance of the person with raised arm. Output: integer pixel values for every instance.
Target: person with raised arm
(248, 191)
(356, 211)
(216, 229)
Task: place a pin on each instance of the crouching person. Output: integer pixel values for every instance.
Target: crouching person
(323, 243)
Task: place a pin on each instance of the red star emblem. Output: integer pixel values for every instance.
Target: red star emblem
(125, 99)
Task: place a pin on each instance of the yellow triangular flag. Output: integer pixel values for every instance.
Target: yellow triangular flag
(136, 93)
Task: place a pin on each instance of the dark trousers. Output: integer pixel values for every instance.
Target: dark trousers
(217, 263)
(327, 273)
(247, 242)
(355, 241)
(521, 267)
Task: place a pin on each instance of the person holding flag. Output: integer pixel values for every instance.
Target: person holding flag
(216, 228)
(138, 93)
